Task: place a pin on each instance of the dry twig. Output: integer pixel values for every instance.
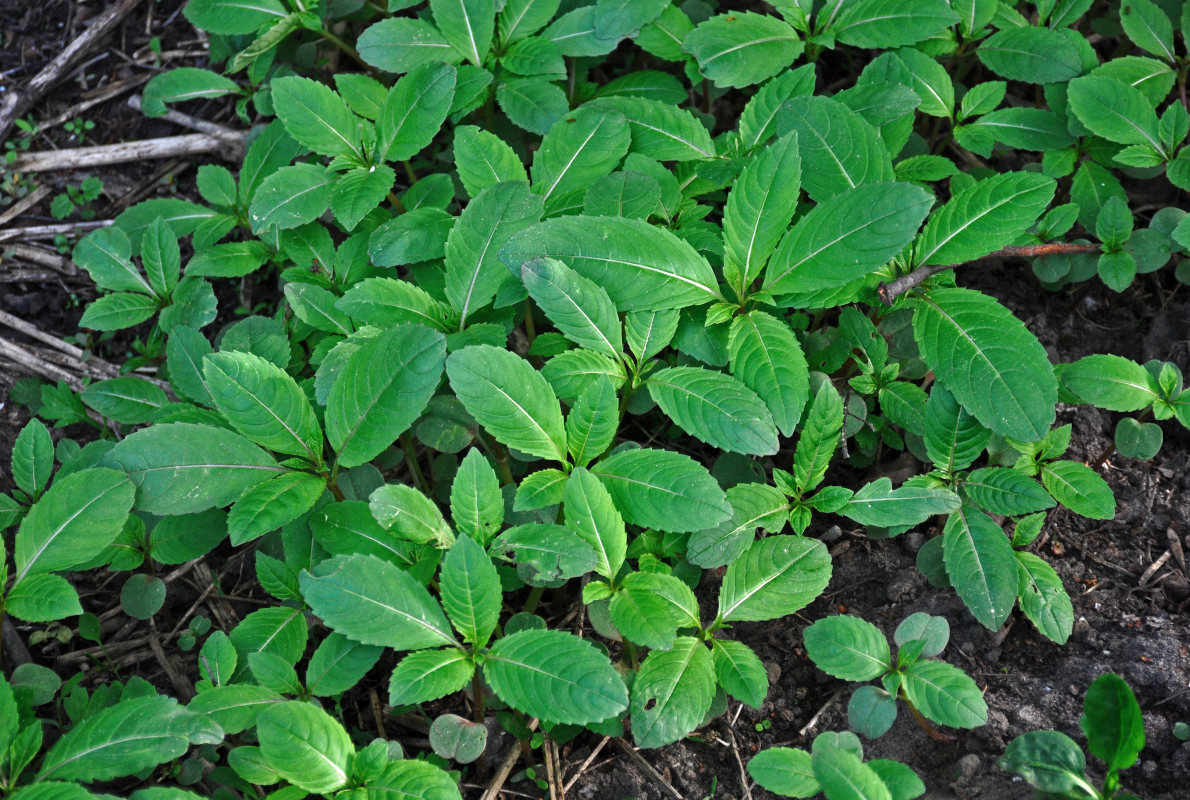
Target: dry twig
(125, 152)
(505, 770)
(665, 786)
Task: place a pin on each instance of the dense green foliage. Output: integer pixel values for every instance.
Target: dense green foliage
(543, 323)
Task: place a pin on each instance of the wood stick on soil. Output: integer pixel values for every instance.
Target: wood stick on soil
(583, 767)
(43, 258)
(193, 123)
(24, 204)
(15, 103)
(43, 232)
(506, 767)
(94, 365)
(665, 786)
(38, 366)
(87, 157)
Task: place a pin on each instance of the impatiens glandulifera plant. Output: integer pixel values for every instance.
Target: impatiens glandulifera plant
(835, 769)
(1056, 766)
(494, 334)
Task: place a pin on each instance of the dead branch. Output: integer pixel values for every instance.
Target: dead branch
(125, 152)
(193, 123)
(15, 103)
(43, 232)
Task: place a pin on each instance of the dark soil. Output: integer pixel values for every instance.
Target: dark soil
(1131, 619)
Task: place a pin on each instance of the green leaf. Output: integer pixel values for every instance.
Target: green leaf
(521, 18)
(476, 505)
(470, 590)
(1148, 26)
(662, 489)
(848, 236)
(742, 48)
(428, 675)
(1111, 382)
(758, 120)
(42, 598)
(739, 671)
(819, 438)
(373, 602)
(413, 111)
(579, 149)
(954, 439)
(785, 771)
(235, 707)
(305, 745)
(73, 522)
(643, 617)
(467, 25)
(106, 255)
(182, 84)
(183, 468)
(555, 676)
(753, 505)
(775, 577)
(114, 312)
(510, 399)
(661, 131)
(359, 191)
(715, 408)
(545, 553)
(263, 403)
(988, 360)
(160, 257)
(1114, 110)
(316, 117)
(1043, 599)
(871, 711)
(347, 527)
(879, 505)
(233, 16)
(944, 694)
(292, 196)
(768, 358)
(386, 302)
(269, 505)
(228, 260)
(840, 149)
(892, 23)
(533, 104)
(1049, 760)
(401, 44)
(279, 629)
(981, 565)
(473, 268)
(640, 266)
(484, 160)
(843, 776)
(672, 693)
(410, 778)
(408, 512)
(1138, 440)
(1079, 488)
(1032, 54)
(339, 664)
(759, 208)
(1112, 722)
(591, 513)
(381, 390)
(32, 457)
(849, 648)
(125, 738)
(999, 490)
(592, 422)
(983, 218)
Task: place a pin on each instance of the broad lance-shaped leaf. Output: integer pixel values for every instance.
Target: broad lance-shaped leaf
(545, 553)
(305, 745)
(767, 357)
(592, 514)
(1043, 599)
(759, 208)
(509, 398)
(473, 268)
(1111, 382)
(292, 196)
(715, 408)
(892, 23)
(840, 149)
(42, 598)
(662, 489)
(879, 505)
(371, 601)
(592, 422)
(316, 116)
(844, 775)
(131, 736)
(661, 131)
(819, 438)
(1112, 722)
(428, 675)
(73, 522)
(470, 590)
(467, 25)
(484, 159)
(981, 565)
(642, 267)
(775, 577)
(32, 457)
(743, 48)
(264, 403)
(386, 302)
(413, 111)
(555, 676)
(1115, 110)
(183, 468)
(985, 217)
(1049, 760)
(847, 236)
(945, 694)
(579, 149)
(381, 390)
(672, 693)
(849, 648)
(580, 309)
(476, 505)
(989, 360)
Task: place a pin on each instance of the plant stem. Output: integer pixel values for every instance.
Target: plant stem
(409, 173)
(477, 700)
(396, 203)
(534, 599)
(530, 325)
(930, 730)
(419, 479)
(350, 51)
(1110, 451)
(502, 465)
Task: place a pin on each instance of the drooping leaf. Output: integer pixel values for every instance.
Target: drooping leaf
(775, 577)
(555, 676)
(715, 408)
(640, 266)
(840, 149)
(373, 602)
(742, 48)
(672, 693)
(381, 390)
(988, 359)
(510, 399)
(305, 745)
(981, 565)
(663, 490)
